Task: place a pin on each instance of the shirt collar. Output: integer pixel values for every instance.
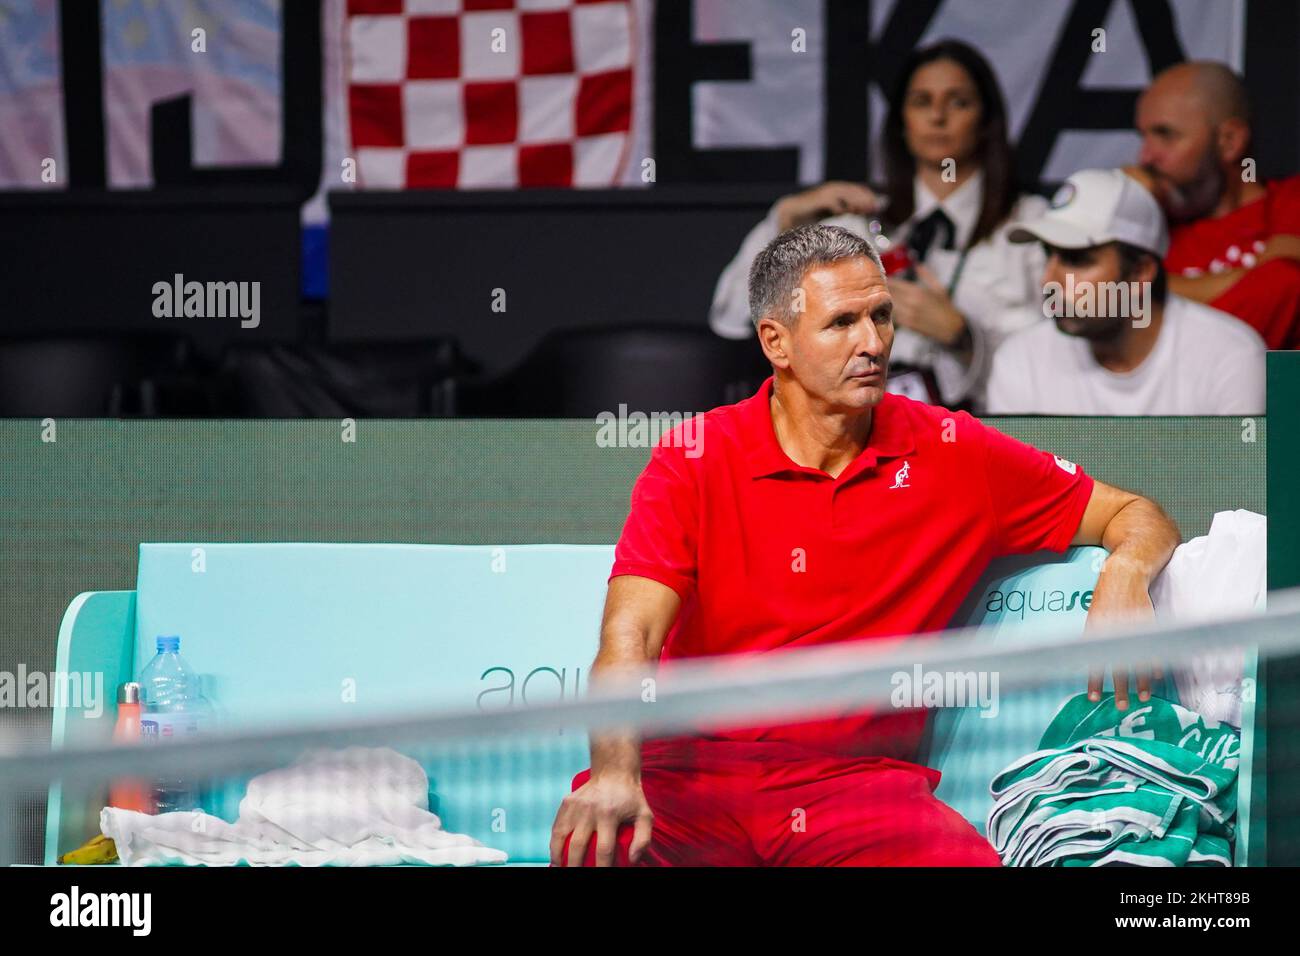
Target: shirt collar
(962, 205)
(891, 437)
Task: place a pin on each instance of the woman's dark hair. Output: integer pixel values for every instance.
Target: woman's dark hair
(992, 149)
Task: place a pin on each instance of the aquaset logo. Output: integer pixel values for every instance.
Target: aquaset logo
(1017, 603)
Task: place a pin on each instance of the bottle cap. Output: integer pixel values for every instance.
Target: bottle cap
(129, 693)
(169, 642)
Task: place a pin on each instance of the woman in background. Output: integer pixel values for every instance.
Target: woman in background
(948, 200)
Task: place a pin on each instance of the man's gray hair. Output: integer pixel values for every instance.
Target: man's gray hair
(781, 266)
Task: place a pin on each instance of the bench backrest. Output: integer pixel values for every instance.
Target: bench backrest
(294, 632)
(288, 633)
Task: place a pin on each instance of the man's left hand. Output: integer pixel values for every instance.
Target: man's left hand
(1120, 598)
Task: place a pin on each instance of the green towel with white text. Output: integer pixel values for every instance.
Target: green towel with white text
(1154, 785)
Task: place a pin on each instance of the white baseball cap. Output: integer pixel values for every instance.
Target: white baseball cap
(1097, 206)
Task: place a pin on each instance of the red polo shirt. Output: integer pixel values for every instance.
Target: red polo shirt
(767, 554)
(1268, 295)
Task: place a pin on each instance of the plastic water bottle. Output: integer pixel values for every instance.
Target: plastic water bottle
(172, 708)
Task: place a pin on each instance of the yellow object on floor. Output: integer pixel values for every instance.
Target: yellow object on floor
(98, 850)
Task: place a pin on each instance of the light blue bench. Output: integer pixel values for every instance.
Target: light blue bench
(288, 633)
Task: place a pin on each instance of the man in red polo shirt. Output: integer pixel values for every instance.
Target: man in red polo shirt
(1234, 243)
(821, 510)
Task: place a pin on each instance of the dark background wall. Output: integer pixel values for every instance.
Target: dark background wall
(410, 264)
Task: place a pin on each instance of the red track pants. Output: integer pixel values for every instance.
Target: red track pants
(770, 804)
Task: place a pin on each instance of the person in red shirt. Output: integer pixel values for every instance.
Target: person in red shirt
(1234, 242)
(822, 510)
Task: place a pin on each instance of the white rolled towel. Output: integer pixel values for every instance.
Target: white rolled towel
(361, 806)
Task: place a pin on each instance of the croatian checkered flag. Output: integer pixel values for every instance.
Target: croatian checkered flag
(489, 93)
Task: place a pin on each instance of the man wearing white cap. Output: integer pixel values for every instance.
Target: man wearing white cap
(1120, 343)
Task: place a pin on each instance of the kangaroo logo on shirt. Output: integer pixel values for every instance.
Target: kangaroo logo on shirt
(900, 477)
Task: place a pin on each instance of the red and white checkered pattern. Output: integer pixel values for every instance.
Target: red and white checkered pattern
(489, 93)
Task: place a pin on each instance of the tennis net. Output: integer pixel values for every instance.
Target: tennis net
(974, 704)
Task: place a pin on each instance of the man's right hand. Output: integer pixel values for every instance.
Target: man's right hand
(597, 809)
(638, 614)
(828, 199)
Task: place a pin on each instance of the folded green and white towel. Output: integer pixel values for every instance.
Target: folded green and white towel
(1155, 785)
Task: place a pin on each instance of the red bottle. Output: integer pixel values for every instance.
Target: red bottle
(128, 793)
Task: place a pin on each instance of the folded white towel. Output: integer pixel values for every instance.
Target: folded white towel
(361, 806)
(1219, 573)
